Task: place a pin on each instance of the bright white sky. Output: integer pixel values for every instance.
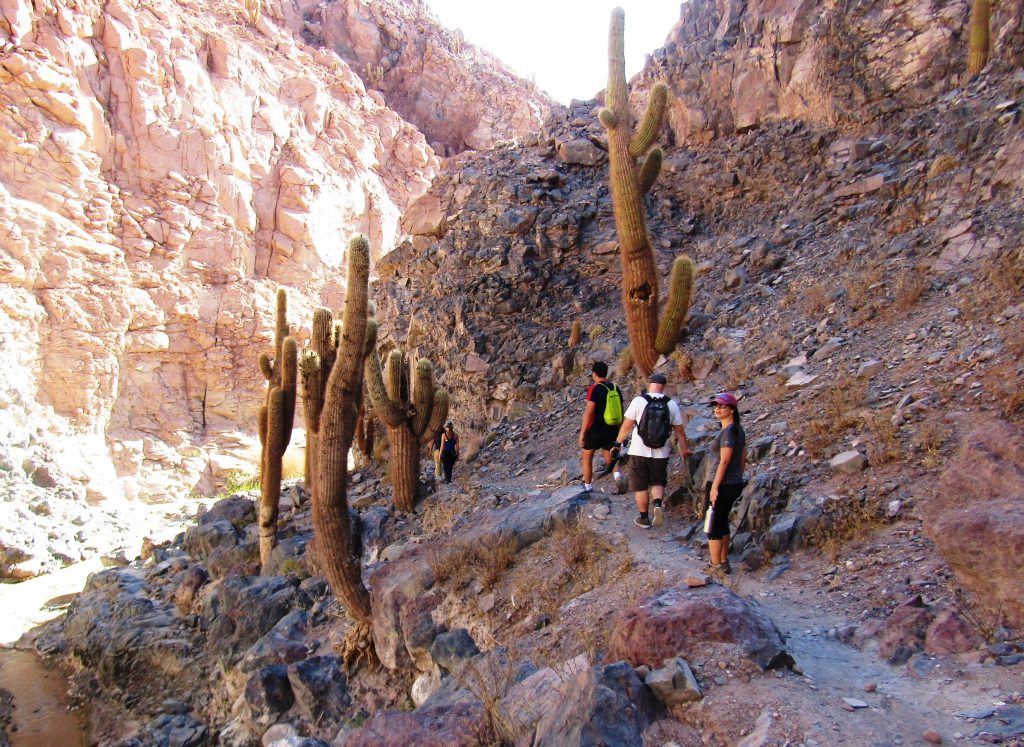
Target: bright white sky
(563, 44)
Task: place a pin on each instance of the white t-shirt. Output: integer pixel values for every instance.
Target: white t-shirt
(635, 410)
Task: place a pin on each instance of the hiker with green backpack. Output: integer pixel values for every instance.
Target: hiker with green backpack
(601, 420)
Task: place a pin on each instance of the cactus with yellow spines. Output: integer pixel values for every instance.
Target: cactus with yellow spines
(338, 555)
(978, 36)
(276, 418)
(412, 409)
(629, 183)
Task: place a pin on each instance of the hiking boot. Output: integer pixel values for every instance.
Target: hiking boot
(642, 521)
(713, 569)
(657, 515)
(726, 568)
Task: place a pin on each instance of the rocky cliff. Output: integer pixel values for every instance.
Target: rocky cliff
(458, 95)
(165, 168)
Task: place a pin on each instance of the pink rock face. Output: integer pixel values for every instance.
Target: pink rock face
(459, 96)
(950, 633)
(676, 621)
(977, 519)
(193, 162)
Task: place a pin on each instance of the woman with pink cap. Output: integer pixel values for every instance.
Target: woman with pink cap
(730, 449)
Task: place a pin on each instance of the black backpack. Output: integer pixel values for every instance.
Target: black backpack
(655, 423)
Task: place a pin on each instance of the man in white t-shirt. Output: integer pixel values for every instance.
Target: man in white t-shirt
(648, 464)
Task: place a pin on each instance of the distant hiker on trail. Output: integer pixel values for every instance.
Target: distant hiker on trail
(651, 418)
(730, 450)
(437, 454)
(449, 450)
(601, 420)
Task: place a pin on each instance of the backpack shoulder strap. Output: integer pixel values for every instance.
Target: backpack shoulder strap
(647, 397)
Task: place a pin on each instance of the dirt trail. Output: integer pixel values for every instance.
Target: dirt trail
(41, 717)
(905, 702)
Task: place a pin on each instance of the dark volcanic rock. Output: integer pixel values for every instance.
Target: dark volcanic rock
(607, 705)
(238, 611)
(321, 691)
(451, 648)
(676, 621)
(269, 694)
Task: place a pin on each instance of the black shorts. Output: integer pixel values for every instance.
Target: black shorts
(647, 471)
(727, 497)
(599, 438)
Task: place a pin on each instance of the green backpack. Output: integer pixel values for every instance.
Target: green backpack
(612, 405)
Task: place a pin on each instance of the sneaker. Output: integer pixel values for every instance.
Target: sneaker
(642, 521)
(588, 489)
(657, 515)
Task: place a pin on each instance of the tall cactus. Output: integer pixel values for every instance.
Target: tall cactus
(978, 36)
(338, 553)
(412, 414)
(629, 183)
(315, 365)
(275, 422)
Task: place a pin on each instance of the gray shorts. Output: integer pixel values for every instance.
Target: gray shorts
(647, 471)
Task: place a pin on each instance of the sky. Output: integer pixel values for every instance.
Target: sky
(563, 44)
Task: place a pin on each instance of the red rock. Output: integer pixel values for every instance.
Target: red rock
(461, 725)
(950, 633)
(977, 518)
(903, 633)
(679, 620)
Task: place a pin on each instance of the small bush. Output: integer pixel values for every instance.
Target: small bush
(240, 481)
(910, 286)
(832, 414)
(943, 164)
(843, 521)
(814, 299)
(595, 331)
(883, 442)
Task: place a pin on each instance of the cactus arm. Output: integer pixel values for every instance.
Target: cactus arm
(266, 366)
(438, 416)
(423, 396)
(390, 412)
(978, 36)
(608, 119)
(651, 169)
(651, 122)
(678, 305)
(289, 379)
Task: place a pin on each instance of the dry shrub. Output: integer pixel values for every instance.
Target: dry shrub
(684, 362)
(882, 439)
(293, 464)
(910, 286)
(1005, 274)
(831, 414)
(843, 521)
(772, 390)
(439, 516)
(1003, 381)
(735, 370)
(814, 298)
(595, 331)
(862, 287)
(489, 678)
(451, 562)
(589, 554)
(943, 163)
(929, 440)
(459, 562)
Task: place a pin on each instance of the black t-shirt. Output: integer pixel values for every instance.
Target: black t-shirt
(731, 437)
(598, 394)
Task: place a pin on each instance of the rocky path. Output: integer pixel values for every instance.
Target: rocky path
(846, 695)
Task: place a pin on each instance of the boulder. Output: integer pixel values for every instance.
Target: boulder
(459, 725)
(202, 539)
(903, 633)
(605, 705)
(269, 694)
(678, 620)
(321, 692)
(674, 684)
(950, 633)
(976, 518)
(449, 649)
(239, 610)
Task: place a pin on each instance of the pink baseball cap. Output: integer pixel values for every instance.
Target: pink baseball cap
(724, 399)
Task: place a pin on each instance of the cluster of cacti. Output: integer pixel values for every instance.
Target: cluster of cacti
(412, 410)
(252, 10)
(374, 74)
(342, 393)
(575, 333)
(315, 365)
(978, 36)
(629, 183)
(275, 422)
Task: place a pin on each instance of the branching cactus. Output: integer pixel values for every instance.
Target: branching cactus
(413, 412)
(630, 181)
(275, 422)
(338, 554)
(978, 36)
